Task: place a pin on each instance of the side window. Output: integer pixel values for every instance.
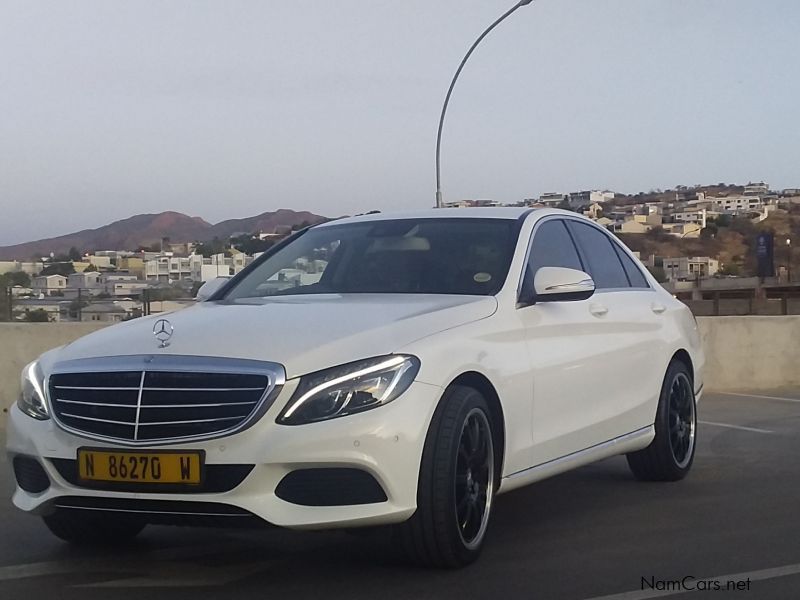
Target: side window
(603, 262)
(634, 273)
(553, 247)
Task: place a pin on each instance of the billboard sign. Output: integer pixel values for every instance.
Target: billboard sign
(765, 254)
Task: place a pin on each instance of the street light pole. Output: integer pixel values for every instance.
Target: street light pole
(507, 14)
(789, 259)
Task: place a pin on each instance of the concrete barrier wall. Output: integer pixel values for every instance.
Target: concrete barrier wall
(20, 343)
(742, 353)
(751, 353)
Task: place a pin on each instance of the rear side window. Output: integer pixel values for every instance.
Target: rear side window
(602, 260)
(553, 247)
(634, 273)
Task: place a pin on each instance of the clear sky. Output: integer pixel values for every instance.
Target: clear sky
(225, 109)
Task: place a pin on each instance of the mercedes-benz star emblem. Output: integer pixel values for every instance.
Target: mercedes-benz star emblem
(163, 331)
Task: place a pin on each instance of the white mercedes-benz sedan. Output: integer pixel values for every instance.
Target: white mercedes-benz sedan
(377, 370)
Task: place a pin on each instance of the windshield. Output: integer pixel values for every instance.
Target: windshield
(407, 256)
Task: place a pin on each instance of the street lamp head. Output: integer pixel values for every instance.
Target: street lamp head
(525, 2)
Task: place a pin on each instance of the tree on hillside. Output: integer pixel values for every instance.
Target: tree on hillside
(709, 232)
(5, 301)
(722, 221)
(730, 269)
(657, 233)
(58, 268)
(15, 278)
(250, 244)
(658, 273)
(74, 254)
(744, 226)
(303, 225)
(75, 306)
(564, 205)
(208, 249)
(37, 316)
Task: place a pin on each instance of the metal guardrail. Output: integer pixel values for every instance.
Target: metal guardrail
(738, 296)
(719, 306)
(79, 305)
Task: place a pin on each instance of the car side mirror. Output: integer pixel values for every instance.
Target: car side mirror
(559, 284)
(210, 287)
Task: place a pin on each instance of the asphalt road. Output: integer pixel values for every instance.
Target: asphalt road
(589, 534)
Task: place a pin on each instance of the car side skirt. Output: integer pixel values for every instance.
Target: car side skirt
(630, 442)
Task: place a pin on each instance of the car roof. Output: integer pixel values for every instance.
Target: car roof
(494, 212)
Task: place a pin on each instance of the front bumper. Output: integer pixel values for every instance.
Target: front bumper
(386, 442)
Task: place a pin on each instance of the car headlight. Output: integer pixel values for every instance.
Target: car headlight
(349, 389)
(31, 400)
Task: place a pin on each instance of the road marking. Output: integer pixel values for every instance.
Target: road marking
(183, 575)
(757, 396)
(785, 571)
(41, 569)
(740, 427)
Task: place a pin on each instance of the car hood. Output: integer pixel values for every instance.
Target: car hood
(303, 333)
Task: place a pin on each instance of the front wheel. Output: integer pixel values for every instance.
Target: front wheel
(456, 484)
(670, 455)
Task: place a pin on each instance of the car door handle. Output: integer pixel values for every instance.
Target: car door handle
(598, 310)
(657, 308)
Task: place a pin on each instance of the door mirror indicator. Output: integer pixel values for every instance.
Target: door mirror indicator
(559, 284)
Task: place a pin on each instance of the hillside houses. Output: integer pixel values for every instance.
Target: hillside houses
(686, 214)
(115, 285)
(49, 285)
(168, 268)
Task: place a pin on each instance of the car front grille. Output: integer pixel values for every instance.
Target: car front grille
(164, 399)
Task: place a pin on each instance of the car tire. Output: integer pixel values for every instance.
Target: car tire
(670, 455)
(93, 528)
(457, 481)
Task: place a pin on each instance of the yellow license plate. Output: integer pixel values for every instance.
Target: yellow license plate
(140, 467)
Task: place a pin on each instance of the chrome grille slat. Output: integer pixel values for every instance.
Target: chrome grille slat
(128, 423)
(149, 406)
(212, 405)
(169, 389)
(178, 398)
(139, 407)
(101, 389)
(155, 389)
(95, 403)
(189, 422)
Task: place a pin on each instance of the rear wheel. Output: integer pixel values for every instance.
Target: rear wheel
(670, 455)
(456, 484)
(93, 528)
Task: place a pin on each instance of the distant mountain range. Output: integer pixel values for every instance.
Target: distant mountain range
(149, 229)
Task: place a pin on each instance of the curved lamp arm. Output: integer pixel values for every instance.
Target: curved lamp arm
(507, 14)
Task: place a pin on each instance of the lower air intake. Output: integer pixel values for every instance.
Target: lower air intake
(330, 487)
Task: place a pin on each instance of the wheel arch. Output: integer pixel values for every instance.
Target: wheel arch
(684, 357)
(481, 383)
